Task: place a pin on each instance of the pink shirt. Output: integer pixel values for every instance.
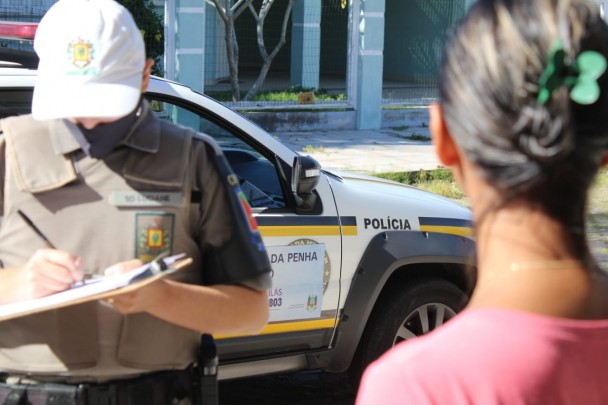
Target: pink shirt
(493, 356)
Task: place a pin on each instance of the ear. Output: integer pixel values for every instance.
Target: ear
(445, 148)
(146, 75)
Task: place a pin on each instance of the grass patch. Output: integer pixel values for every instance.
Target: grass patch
(418, 137)
(314, 149)
(598, 198)
(597, 218)
(439, 181)
(290, 94)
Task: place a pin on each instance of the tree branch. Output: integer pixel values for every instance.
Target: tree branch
(240, 6)
(283, 28)
(268, 58)
(220, 10)
(266, 4)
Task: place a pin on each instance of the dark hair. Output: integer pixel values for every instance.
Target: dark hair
(544, 154)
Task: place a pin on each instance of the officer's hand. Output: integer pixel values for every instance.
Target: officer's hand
(122, 267)
(128, 302)
(49, 271)
(140, 300)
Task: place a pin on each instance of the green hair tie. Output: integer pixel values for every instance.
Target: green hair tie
(581, 75)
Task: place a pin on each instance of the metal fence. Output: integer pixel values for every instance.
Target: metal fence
(414, 37)
(288, 82)
(415, 33)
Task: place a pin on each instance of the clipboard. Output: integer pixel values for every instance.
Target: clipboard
(102, 288)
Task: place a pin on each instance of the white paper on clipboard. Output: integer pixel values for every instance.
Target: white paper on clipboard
(103, 287)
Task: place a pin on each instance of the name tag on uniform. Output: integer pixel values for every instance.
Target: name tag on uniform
(146, 199)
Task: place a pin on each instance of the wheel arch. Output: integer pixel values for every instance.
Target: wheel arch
(394, 258)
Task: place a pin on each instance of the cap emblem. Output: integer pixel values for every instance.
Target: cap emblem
(81, 52)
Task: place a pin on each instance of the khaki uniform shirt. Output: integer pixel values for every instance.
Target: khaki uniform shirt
(134, 203)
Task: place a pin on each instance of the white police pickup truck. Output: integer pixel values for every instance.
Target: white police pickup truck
(359, 263)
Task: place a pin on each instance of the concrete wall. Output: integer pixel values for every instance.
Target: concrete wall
(333, 120)
(386, 30)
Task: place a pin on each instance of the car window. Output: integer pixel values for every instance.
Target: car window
(258, 176)
(15, 102)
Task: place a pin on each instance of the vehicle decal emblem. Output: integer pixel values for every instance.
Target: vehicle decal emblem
(311, 303)
(326, 261)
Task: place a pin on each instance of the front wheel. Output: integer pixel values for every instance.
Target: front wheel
(404, 312)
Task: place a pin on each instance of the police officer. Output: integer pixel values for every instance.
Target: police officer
(112, 186)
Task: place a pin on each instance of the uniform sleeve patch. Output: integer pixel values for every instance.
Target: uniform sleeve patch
(253, 225)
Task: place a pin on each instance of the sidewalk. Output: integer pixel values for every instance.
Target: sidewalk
(366, 151)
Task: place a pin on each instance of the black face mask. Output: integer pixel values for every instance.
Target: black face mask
(105, 137)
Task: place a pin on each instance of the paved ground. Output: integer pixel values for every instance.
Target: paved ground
(366, 151)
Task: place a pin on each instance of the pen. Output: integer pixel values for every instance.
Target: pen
(87, 278)
(35, 229)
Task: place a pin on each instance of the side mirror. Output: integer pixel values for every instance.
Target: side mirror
(305, 177)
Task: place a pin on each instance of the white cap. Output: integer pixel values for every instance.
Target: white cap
(92, 58)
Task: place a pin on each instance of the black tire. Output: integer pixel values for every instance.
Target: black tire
(405, 311)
